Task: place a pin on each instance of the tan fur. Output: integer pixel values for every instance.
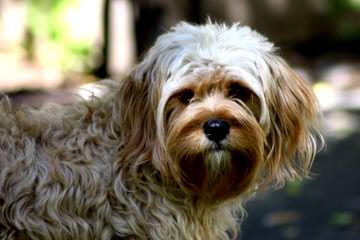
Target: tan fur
(294, 131)
(135, 163)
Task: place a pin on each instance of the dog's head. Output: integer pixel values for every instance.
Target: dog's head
(221, 111)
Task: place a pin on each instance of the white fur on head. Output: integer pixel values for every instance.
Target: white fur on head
(189, 50)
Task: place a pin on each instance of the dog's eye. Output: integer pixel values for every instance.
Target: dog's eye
(239, 92)
(186, 96)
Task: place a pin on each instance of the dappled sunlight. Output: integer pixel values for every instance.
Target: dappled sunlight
(340, 124)
(338, 93)
(88, 91)
(51, 45)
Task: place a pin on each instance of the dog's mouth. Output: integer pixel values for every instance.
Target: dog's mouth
(217, 146)
(218, 173)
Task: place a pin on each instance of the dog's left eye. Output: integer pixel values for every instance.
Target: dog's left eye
(186, 96)
(239, 92)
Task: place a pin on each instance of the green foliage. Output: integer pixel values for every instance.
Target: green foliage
(342, 218)
(341, 11)
(348, 30)
(294, 188)
(354, 4)
(340, 7)
(47, 22)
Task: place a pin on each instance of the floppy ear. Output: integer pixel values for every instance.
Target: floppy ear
(294, 131)
(137, 105)
(135, 117)
(136, 108)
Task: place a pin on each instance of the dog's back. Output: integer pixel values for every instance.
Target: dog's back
(53, 181)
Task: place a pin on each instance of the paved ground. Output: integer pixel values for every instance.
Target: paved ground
(325, 208)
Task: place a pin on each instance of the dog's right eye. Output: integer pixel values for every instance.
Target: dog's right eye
(237, 91)
(186, 96)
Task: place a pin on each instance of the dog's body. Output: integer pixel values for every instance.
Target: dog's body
(63, 177)
(210, 115)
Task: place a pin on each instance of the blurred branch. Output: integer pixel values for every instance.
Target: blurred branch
(102, 70)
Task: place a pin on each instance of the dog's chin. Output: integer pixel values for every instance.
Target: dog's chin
(218, 173)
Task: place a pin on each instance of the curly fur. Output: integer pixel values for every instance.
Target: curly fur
(112, 167)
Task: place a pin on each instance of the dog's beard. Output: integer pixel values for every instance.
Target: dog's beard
(214, 172)
(218, 161)
(217, 175)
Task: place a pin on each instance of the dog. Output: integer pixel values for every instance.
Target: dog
(210, 116)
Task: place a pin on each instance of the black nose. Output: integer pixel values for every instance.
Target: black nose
(216, 130)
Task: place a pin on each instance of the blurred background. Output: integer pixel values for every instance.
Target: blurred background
(55, 50)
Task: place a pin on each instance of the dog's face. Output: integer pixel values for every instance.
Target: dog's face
(226, 114)
(213, 135)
